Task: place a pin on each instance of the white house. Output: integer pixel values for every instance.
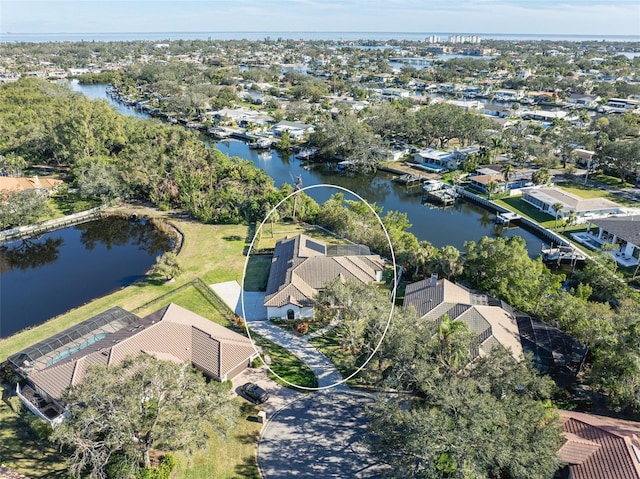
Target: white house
(296, 129)
(545, 198)
(301, 266)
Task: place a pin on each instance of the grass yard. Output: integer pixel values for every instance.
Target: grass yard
(230, 457)
(21, 449)
(212, 254)
(584, 191)
(280, 230)
(611, 181)
(329, 346)
(257, 272)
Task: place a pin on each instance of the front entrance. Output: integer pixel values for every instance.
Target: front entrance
(291, 315)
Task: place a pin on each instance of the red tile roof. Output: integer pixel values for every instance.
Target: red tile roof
(600, 447)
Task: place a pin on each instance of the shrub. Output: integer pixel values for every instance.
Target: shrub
(257, 363)
(163, 471)
(302, 327)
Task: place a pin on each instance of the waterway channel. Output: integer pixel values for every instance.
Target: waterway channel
(453, 225)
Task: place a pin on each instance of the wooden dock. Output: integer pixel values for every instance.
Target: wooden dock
(409, 179)
(562, 254)
(506, 218)
(445, 197)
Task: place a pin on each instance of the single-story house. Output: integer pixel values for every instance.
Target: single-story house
(542, 115)
(296, 129)
(622, 104)
(495, 322)
(583, 100)
(544, 199)
(491, 320)
(584, 157)
(12, 184)
(497, 110)
(172, 333)
(599, 447)
(437, 158)
(623, 231)
(506, 94)
(302, 266)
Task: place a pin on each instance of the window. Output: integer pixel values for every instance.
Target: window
(291, 314)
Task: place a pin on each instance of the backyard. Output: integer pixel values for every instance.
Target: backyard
(209, 254)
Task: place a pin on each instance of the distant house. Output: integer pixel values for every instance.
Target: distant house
(491, 320)
(517, 179)
(544, 116)
(437, 158)
(498, 111)
(622, 104)
(171, 334)
(544, 199)
(508, 95)
(302, 266)
(622, 231)
(580, 100)
(599, 447)
(296, 129)
(11, 184)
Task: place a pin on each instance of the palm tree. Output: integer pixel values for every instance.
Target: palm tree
(571, 219)
(492, 187)
(506, 170)
(453, 344)
(497, 144)
(557, 207)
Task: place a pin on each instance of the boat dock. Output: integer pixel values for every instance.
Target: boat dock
(506, 218)
(561, 254)
(409, 179)
(445, 196)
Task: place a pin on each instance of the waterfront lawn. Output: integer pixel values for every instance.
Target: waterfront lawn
(64, 204)
(518, 205)
(22, 450)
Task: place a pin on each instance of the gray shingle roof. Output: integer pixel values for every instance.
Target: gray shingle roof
(300, 268)
(624, 227)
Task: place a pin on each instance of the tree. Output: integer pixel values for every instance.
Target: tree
(541, 176)
(118, 414)
(557, 208)
(492, 187)
(23, 208)
(495, 422)
(620, 156)
(447, 262)
(506, 170)
(571, 219)
(166, 266)
(285, 141)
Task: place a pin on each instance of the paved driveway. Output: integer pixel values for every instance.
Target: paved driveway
(253, 300)
(279, 396)
(319, 435)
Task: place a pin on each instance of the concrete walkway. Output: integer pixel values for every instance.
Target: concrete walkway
(256, 318)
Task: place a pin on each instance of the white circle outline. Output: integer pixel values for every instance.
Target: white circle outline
(393, 291)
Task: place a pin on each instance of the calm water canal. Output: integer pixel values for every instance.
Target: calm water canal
(46, 276)
(440, 226)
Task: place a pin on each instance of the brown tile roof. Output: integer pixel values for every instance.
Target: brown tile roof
(171, 333)
(9, 183)
(300, 268)
(434, 298)
(600, 447)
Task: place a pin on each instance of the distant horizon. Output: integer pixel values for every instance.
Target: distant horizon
(533, 17)
(379, 32)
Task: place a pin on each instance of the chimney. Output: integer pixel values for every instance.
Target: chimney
(434, 280)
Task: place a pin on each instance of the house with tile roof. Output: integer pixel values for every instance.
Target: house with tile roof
(492, 321)
(302, 266)
(599, 447)
(11, 184)
(172, 333)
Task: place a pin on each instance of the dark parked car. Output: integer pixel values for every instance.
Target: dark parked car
(255, 393)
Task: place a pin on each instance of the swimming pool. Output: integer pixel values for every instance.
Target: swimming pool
(68, 352)
(588, 240)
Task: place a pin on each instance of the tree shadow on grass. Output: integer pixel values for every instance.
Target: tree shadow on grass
(232, 238)
(248, 468)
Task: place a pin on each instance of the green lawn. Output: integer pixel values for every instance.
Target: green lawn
(329, 346)
(257, 273)
(584, 191)
(611, 181)
(21, 450)
(210, 253)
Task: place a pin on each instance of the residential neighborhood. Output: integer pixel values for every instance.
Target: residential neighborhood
(327, 256)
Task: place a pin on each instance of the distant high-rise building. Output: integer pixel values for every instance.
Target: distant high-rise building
(433, 39)
(464, 39)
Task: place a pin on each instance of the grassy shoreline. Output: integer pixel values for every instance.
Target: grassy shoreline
(208, 254)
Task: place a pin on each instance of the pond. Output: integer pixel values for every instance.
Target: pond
(43, 277)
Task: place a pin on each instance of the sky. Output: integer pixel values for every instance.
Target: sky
(569, 17)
